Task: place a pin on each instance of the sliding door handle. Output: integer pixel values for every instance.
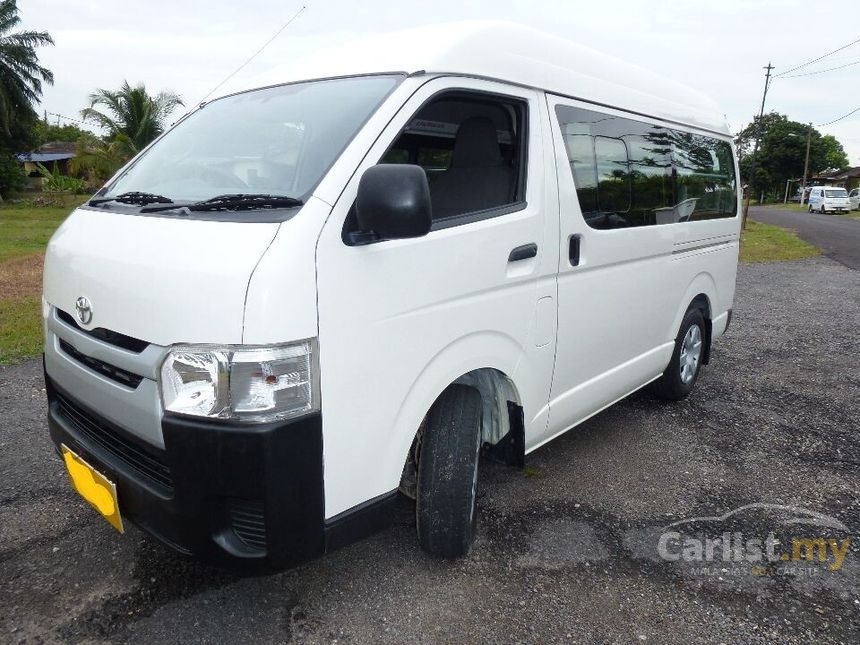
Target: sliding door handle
(523, 252)
(574, 249)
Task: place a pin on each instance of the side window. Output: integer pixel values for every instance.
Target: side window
(705, 173)
(651, 169)
(580, 153)
(472, 147)
(613, 175)
(631, 173)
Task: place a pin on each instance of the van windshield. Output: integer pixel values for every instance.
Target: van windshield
(276, 142)
(836, 192)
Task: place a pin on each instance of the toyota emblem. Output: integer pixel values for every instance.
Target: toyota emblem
(84, 309)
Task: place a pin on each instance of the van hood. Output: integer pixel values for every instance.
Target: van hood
(164, 280)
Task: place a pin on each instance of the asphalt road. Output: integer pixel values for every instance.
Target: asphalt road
(838, 237)
(563, 553)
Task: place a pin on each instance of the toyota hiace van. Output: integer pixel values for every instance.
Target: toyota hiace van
(310, 297)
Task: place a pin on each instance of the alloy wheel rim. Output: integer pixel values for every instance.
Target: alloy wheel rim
(691, 353)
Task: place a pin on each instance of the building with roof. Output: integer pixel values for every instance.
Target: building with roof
(53, 152)
(848, 179)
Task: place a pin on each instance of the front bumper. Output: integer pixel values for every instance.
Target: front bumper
(227, 493)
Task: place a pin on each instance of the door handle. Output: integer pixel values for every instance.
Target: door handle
(573, 250)
(523, 252)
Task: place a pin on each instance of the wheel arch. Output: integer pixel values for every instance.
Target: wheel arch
(484, 361)
(700, 294)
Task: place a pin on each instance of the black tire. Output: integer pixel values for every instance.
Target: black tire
(448, 473)
(809, 209)
(671, 386)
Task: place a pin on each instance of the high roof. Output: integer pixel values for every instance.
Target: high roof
(516, 54)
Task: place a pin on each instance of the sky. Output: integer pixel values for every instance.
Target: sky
(719, 48)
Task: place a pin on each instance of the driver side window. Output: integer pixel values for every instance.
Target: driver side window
(471, 146)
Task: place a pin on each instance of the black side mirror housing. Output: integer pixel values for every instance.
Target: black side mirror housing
(394, 201)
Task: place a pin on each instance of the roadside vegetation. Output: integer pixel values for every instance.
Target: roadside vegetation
(781, 154)
(25, 227)
(765, 243)
(32, 207)
(855, 214)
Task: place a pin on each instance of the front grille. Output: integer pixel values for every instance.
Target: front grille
(114, 373)
(107, 437)
(106, 335)
(248, 519)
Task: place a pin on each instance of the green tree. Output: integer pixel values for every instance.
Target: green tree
(44, 132)
(21, 79)
(782, 152)
(97, 159)
(834, 154)
(130, 116)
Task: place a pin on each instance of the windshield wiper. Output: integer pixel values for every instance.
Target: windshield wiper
(245, 201)
(135, 198)
(232, 202)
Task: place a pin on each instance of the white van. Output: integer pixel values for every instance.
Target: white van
(829, 198)
(306, 297)
(854, 199)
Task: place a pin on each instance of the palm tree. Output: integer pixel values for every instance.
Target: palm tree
(96, 159)
(21, 76)
(131, 117)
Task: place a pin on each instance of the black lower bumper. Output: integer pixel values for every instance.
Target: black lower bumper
(227, 493)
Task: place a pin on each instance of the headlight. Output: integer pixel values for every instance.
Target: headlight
(254, 384)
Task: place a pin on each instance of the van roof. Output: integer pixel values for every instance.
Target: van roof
(514, 54)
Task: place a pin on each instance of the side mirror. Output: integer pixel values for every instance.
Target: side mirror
(394, 201)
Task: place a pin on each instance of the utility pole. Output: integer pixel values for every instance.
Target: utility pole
(769, 68)
(806, 164)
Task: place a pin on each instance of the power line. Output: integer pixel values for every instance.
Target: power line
(254, 55)
(844, 116)
(821, 71)
(67, 118)
(815, 60)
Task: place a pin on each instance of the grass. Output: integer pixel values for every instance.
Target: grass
(765, 243)
(25, 227)
(805, 208)
(20, 328)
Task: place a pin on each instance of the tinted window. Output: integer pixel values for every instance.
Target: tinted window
(705, 176)
(472, 147)
(613, 175)
(632, 173)
(580, 153)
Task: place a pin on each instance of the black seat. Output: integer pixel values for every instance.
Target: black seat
(478, 177)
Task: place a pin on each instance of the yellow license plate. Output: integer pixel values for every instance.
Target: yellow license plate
(94, 487)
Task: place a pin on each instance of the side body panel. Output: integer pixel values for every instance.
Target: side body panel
(620, 307)
(400, 320)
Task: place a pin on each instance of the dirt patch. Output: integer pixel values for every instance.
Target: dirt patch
(21, 276)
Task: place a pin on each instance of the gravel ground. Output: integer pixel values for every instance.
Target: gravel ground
(563, 552)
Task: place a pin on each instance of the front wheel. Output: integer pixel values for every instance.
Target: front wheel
(680, 376)
(448, 473)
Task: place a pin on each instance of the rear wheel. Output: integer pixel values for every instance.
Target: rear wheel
(680, 376)
(448, 473)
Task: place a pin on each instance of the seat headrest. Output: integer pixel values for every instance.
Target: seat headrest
(477, 144)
